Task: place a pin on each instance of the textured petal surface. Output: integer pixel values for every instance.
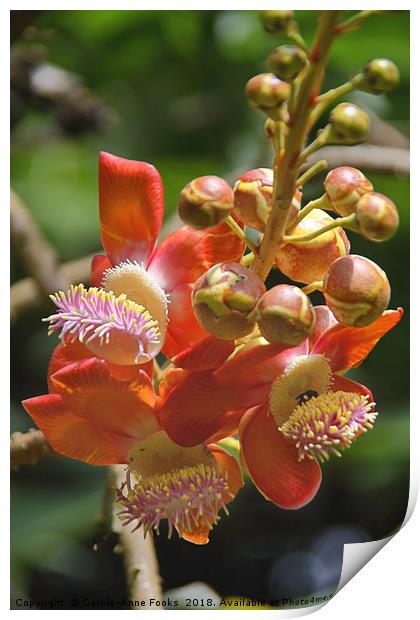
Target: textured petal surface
(131, 207)
(229, 464)
(89, 390)
(347, 385)
(187, 253)
(75, 437)
(208, 354)
(272, 462)
(99, 265)
(347, 347)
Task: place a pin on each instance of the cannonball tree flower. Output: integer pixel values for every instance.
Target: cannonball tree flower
(292, 406)
(91, 416)
(140, 301)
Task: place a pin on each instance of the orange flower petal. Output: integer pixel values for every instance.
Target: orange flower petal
(99, 265)
(229, 464)
(199, 535)
(272, 462)
(131, 207)
(89, 390)
(185, 254)
(347, 347)
(63, 355)
(75, 437)
(191, 412)
(347, 385)
(208, 354)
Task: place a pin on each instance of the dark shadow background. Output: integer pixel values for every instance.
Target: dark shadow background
(167, 87)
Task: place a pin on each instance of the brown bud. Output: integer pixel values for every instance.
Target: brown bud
(344, 186)
(223, 299)
(309, 260)
(377, 217)
(266, 92)
(276, 22)
(285, 315)
(380, 76)
(205, 202)
(253, 198)
(349, 124)
(356, 290)
(324, 319)
(286, 61)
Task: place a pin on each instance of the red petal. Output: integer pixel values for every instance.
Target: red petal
(89, 390)
(75, 437)
(187, 253)
(99, 265)
(199, 535)
(229, 464)
(347, 347)
(208, 354)
(131, 207)
(63, 355)
(347, 385)
(192, 411)
(324, 319)
(272, 462)
(183, 328)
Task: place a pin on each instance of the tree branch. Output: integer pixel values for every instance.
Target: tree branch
(141, 565)
(29, 448)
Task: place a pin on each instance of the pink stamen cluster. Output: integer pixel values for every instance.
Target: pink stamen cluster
(189, 498)
(89, 314)
(328, 423)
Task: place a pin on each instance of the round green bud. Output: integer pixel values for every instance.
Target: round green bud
(205, 202)
(253, 193)
(380, 76)
(276, 22)
(349, 124)
(377, 217)
(285, 315)
(266, 92)
(286, 61)
(223, 299)
(344, 186)
(356, 290)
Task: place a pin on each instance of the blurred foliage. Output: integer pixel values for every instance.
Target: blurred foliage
(174, 80)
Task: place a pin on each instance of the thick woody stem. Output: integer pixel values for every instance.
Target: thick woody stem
(141, 565)
(28, 448)
(286, 163)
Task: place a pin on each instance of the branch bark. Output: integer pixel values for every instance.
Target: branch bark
(29, 448)
(141, 565)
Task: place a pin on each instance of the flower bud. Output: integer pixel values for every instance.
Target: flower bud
(224, 297)
(376, 217)
(356, 290)
(276, 22)
(266, 92)
(344, 186)
(380, 76)
(349, 124)
(205, 202)
(285, 315)
(286, 62)
(253, 198)
(308, 261)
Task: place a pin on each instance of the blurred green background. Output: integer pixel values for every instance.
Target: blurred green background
(167, 87)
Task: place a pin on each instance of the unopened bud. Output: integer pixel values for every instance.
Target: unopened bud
(380, 76)
(286, 61)
(276, 22)
(285, 315)
(223, 299)
(205, 202)
(344, 186)
(377, 217)
(349, 124)
(253, 193)
(308, 261)
(356, 290)
(266, 92)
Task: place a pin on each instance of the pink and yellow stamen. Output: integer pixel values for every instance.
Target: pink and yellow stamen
(189, 498)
